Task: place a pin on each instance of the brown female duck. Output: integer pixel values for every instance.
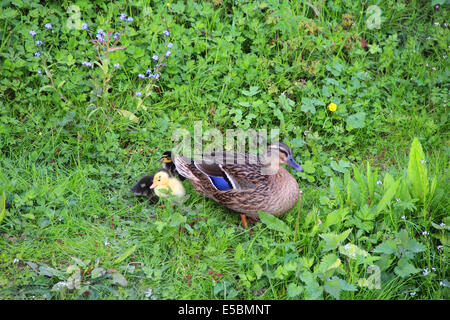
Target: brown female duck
(245, 183)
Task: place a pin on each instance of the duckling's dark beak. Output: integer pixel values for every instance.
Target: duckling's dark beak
(294, 165)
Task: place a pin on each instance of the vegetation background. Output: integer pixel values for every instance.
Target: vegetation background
(85, 112)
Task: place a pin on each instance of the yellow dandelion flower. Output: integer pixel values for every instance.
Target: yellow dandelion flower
(168, 4)
(332, 107)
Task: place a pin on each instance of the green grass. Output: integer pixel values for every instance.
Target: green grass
(68, 155)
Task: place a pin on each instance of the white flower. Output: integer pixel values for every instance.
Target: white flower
(436, 24)
(440, 247)
(412, 294)
(404, 217)
(424, 161)
(425, 233)
(425, 271)
(397, 199)
(15, 260)
(379, 182)
(441, 283)
(148, 293)
(442, 224)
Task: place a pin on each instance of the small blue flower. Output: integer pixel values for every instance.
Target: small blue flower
(37, 54)
(141, 76)
(87, 64)
(155, 57)
(130, 19)
(101, 32)
(148, 71)
(38, 42)
(84, 26)
(100, 38)
(39, 71)
(123, 16)
(32, 33)
(166, 33)
(48, 26)
(170, 45)
(168, 53)
(138, 93)
(116, 35)
(156, 75)
(116, 65)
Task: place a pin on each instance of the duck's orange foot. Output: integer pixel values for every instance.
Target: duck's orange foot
(244, 220)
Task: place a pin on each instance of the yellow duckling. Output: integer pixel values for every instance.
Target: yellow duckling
(166, 186)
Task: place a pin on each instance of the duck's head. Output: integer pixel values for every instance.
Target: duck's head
(166, 157)
(161, 178)
(281, 153)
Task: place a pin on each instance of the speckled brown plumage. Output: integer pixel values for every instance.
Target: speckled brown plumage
(252, 190)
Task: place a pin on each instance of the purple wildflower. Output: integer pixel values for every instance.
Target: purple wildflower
(100, 38)
(38, 42)
(37, 54)
(166, 33)
(141, 76)
(123, 16)
(116, 65)
(156, 75)
(39, 71)
(138, 93)
(84, 26)
(130, 19)
(155, 57)
(48, 26)
(116, 35)
(148, 71)
(32, 33)
(87, 64)
(170, 45)
(168, 53)
(436, 7)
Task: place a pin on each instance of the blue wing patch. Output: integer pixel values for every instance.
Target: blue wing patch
(221, 183)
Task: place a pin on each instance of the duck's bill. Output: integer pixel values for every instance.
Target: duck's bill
(153, 186)
(294, 165)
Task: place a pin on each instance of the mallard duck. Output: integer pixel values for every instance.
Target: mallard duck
(151, 186)
(168, 164)
(164, 185)
(142, 189)
(245, 183)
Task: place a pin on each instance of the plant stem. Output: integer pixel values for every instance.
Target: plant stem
(298, 213)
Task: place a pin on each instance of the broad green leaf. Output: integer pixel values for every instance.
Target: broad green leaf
(333, 240)
(258, 270)
(356, 120)
(329, 262)
(274, 223)
(333, 287)
(404, 268)
(417, 171)
(312, 288)
(388, 195)
(415, 246)
(126, 254)
(364, 198)
(387, 247)
(238, 252)
(294, 290)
